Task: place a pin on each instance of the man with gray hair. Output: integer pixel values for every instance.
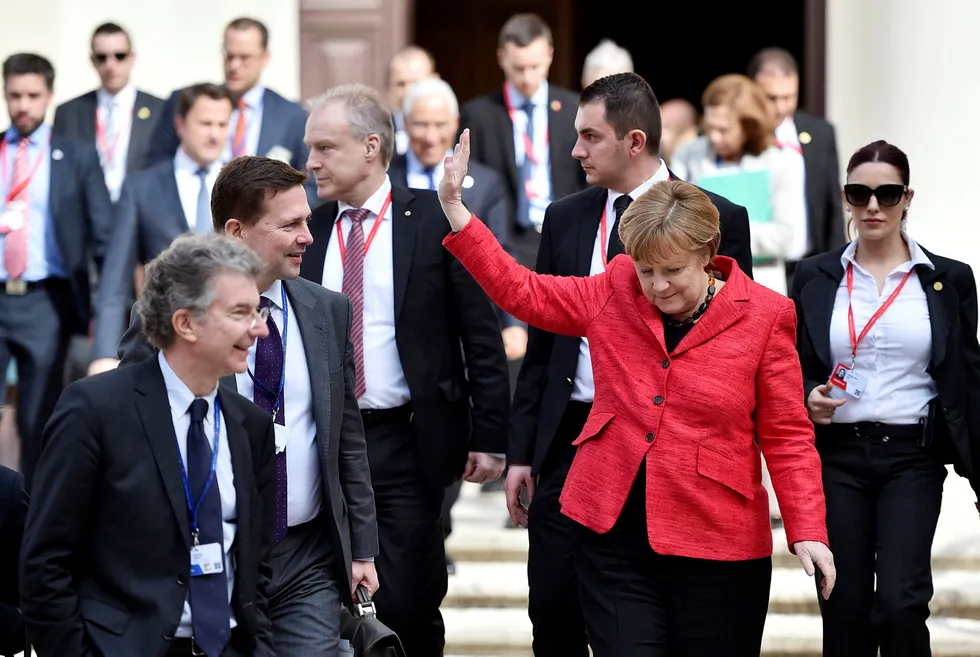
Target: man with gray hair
(605, 59)
(431, 372)
(165, 484)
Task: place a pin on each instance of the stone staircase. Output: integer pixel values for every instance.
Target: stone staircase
(486, 607)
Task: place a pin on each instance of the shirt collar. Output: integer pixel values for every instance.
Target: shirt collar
(253, 97)
(415, 166)
(126, 97)
(918, 256)
(179, 395)
(661, 175)
(39, 136)
(517, 99)
(374, 202)
(274, 294)
(184, 163)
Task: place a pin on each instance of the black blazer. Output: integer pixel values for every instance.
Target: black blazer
(76, 118)
(105, 557)
(951, 294)
(825, 218)
(13, 511)
(442, 318)
(547, 374)
(492, 141)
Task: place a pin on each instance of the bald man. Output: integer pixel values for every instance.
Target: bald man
(407, 66)
(680, 125)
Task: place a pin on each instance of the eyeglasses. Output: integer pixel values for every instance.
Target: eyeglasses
(888, 195)
(260, 315)
(102, 57)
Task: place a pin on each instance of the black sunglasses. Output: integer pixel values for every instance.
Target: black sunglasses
(888, 195)
(101, 57)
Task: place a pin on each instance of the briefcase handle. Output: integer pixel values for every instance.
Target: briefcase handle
(363, 606)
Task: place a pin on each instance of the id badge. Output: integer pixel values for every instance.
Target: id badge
(847, 381)
(281, 435)
(14, 216)
(206, 560)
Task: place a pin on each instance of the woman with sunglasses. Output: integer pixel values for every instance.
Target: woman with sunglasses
(891, 367)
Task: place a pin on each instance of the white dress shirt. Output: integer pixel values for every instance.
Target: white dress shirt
(894, 355)
(180, 397)
(253, 123)
(303, 483)
(415, 174)
(384, 378)
(541, 177)
(113, 158)
(189, 185)
(788, 137)
(583, 388)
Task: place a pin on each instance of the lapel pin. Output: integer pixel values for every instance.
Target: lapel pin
(57, 154)
(556, 105)
(144, 113)
(805, 137)
(408, 213)
(937, 286)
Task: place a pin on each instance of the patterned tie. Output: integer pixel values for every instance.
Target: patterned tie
(268, 370)
(210, 610)
(15, 243)
(202, 222)
(527, 171)
(354, 289)
(241, 130)
(616, 244)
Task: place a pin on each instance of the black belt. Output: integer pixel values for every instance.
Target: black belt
(375, 417)
(181, 647)
(877, 430)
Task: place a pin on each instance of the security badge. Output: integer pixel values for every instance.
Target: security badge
(846, 380)
(206, 560)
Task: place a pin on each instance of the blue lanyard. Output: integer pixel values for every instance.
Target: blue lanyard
(193, 508)
(282, 375)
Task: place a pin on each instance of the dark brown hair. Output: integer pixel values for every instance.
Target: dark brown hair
(27, 63)
(630, 105)
(246, 23)
(111, 28)
(749, 103)
(881, 151)
(522, 29)
(244, 184)
(773, 60)
(189, 95)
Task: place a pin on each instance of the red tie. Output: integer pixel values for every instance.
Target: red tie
(15, 243)
(354, 288)
(238, 141)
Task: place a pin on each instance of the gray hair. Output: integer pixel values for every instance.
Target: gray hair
(430, 88)
(367, 114)
(181, 278)
(607, 55)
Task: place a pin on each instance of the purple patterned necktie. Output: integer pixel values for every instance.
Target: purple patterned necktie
(268, 370)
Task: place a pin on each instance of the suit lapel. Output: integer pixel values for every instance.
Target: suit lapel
(321, 228)
(404, 228)
(140, 131)
(58, 160)
(270, 129)
(588, 227)
(942, 302)
(818, 298)
(168, 187)
(505, 137)
(241, 461)
(88, 107)
(724, 312)
(153, 408)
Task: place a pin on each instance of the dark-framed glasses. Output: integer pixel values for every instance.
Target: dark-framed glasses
(103, 57)
(888, 195)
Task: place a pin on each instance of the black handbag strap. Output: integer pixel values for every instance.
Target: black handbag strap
(362, 603)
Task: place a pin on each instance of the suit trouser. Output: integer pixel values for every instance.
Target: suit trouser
(412, 563)
(305, 594)
(33, 331)
(883, 501)
(643, 604)
(553, 599)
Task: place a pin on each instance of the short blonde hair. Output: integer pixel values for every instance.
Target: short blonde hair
(671, 217)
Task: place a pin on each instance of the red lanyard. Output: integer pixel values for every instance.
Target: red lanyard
(528, 143)
(106, 150)
(374, 231)
(603, 240)
(14, 192)
(795, 147)
(855, 338)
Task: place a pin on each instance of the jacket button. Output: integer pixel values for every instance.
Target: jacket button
(650, 437)
(181, 580)
(666, 363)
(658, 400)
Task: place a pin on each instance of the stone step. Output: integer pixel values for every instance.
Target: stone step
(504, 585)
(507, 633)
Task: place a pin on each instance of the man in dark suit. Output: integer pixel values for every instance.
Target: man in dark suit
(163, 482)
(54, 223)
(263, 122)
(327, 535)
(432, 376)
(157, 205)
(778, 74)
(13, 511)
(619, 146)
(117, 118)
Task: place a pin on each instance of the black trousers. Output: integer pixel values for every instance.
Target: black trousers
(643, 604)
(883, 499)
(412, 563)
(553, 602)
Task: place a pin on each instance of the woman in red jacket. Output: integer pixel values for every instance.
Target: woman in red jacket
(692, 362)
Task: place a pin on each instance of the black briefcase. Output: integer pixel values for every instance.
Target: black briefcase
(368, 636)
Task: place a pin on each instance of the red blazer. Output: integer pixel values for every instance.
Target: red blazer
(693, 414)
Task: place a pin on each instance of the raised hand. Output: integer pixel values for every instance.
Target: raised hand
(451, 187)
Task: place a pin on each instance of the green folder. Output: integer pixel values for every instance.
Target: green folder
(746, 188)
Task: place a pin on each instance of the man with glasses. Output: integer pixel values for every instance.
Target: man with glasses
(117, 117)
(164, 482)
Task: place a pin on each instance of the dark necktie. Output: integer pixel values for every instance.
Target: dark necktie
(210, 611)
(616, 244)
(430, 175)
(268, 370)
(527, 170)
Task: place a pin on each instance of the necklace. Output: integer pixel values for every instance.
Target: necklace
(701, 309)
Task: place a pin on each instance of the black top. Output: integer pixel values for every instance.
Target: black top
(674, 334)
